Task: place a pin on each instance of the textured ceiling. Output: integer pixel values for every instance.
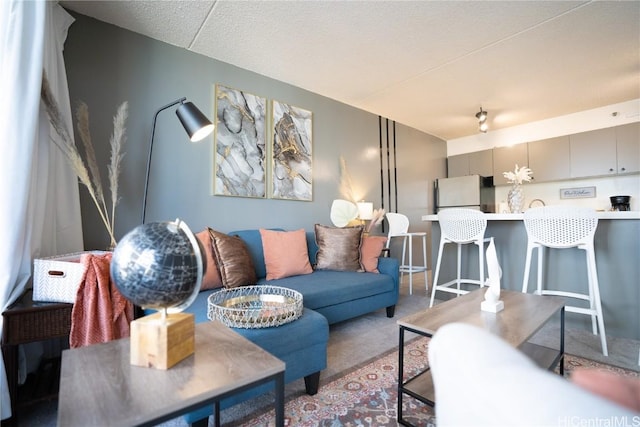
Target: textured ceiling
(427, 64)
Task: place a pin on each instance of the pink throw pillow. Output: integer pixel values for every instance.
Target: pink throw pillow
(285, 253)
(622, 390)
(370, 252)
(211, 278)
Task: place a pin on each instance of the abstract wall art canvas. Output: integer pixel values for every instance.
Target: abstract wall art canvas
(291, 153)
(240, 144)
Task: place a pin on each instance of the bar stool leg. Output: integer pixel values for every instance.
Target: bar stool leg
(459, 265)
(540, 262)
(592, 271)
(592, 301)
(480, 245)
(404, 250)
(527, 269)
(410, 265)
(424, 260)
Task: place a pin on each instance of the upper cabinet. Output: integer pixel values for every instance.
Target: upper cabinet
(602, 152)
(628, 148)
(550, 159)
(506, 158)
(481, 163)
(476, 163)
(458, 165)
(593, 153)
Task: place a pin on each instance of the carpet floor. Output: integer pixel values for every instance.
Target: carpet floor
(368, 395)
(356, 343)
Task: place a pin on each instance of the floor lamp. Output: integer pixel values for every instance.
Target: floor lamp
(195, 124)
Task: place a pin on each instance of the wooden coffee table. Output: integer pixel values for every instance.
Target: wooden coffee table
(522, 317)
(98, 385)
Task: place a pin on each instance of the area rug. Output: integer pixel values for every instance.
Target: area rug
(368, 395)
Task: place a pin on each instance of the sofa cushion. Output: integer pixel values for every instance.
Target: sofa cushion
(328, 287)
(253, 240)
(307, 327)
(370, 252)
(338, 248)
(211, 278)
(285, 253)
(233, 259)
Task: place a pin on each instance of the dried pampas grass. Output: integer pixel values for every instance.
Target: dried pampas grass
(346, 186)
(89, 175)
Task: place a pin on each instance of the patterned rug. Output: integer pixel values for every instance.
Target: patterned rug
(368, 395)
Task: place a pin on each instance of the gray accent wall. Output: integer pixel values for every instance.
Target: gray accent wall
(107, 65)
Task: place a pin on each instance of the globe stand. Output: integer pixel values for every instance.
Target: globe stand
(170, 251)
(161, 340)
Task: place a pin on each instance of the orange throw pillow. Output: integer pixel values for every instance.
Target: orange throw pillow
(211, 278)
(624, 391)
(285, 253)
(370, 252)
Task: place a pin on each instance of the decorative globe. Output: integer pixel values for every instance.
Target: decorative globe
(159, 265)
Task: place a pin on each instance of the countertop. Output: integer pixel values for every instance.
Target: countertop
(519, 217)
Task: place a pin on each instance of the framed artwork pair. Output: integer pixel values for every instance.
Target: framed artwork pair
(250, 161)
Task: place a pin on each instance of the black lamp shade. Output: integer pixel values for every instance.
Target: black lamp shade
(194, 122)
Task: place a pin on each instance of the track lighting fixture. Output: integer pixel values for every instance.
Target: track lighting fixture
(482, 121)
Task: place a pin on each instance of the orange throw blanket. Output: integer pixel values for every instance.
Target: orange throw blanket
(100, 313)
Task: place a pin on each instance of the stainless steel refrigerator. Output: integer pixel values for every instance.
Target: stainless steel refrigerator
(472, 191)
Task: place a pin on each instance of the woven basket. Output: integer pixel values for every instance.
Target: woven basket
(255, 306)
(57, 278)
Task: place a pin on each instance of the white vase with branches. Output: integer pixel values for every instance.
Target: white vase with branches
(515, 197)
(89, 174)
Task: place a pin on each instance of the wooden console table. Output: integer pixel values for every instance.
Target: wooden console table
(26, 321)
(98, 385)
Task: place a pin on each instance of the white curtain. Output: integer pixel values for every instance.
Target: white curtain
(39, 203)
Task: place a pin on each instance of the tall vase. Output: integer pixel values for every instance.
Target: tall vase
(515, 199)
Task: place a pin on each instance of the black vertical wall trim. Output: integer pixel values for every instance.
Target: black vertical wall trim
(381, 167)
(395, 168)
(388, 165)
(381, 162)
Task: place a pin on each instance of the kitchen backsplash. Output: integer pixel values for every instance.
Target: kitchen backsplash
(549, 192)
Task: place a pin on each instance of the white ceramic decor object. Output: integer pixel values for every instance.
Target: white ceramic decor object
(492, 301)
(343, 212)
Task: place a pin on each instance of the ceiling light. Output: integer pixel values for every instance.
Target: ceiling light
(482, 120)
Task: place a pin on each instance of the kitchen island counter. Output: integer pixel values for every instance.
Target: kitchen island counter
(516, 217)
(617, 248)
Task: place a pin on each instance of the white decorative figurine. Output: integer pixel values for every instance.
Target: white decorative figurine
(492, 301)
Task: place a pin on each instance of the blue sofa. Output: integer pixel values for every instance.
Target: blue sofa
(328, 297)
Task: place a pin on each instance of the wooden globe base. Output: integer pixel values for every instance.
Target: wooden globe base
(161, 340)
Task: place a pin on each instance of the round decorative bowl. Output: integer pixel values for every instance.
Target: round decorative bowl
(255, 306)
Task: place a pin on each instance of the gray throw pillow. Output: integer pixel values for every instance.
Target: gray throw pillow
(338, 248)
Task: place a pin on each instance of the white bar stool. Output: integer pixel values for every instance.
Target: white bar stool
(460, 226)
(564, 228)
(399, 227)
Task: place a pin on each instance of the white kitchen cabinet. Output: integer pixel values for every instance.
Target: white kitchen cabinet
(481, 163)
(593, 153)
(458, 165)
(475, 163)
(628, 148)
(550, 159)
(506, 158)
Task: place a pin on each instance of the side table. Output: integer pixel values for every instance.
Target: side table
(27, 321)
(98, 384)
(522, 317)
